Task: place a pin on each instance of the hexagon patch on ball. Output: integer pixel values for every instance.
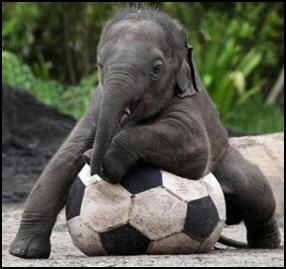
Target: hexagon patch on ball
(150, 211)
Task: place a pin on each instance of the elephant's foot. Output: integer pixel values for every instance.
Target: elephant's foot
(264, 236)
(29, 246)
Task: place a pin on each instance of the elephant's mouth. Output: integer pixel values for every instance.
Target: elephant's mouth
(126, 114)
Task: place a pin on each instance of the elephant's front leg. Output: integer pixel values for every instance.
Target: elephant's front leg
(171, 144)
(50, 192)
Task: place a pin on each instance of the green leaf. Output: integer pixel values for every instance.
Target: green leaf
(249, 93)
(250, 61)
(8, 27)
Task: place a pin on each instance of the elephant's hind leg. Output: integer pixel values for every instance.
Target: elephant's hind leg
(249, 198)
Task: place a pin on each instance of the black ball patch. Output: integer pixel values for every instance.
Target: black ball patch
(142, 178)
(75, 199)
(202, 218)
(125, 240)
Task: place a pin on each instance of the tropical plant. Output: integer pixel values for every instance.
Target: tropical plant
(71, 100)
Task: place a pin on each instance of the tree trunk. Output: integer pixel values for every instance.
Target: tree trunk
(277, 89)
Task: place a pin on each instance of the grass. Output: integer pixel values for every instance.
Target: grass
(255, 117)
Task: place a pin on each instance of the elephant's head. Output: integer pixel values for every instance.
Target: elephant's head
(143, 62)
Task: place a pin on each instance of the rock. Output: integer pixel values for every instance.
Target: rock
(267, 152)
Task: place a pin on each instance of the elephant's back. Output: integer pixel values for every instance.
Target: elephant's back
(217, 133)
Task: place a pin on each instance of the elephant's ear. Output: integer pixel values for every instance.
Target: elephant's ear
(187, 80)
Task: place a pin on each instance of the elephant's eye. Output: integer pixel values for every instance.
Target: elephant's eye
(157, 69)
(101, 73)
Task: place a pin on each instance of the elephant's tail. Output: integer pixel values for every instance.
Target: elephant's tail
(232, 243)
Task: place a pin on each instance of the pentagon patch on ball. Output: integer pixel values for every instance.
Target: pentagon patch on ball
(150, 211)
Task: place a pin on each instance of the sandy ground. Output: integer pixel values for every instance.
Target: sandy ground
(64, 254)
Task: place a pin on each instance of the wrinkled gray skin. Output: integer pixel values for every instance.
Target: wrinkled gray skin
(144, 61)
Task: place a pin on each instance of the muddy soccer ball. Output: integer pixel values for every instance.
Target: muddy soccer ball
(150, 211)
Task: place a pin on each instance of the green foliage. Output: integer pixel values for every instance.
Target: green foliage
(255, 117)
(226, 74)
(20, 22)
(16, 73)
(238, 51)
(58, 40)
(233, 49)
(77, 98)
(71, 100)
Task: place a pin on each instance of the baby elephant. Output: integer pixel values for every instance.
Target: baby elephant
(150, 106)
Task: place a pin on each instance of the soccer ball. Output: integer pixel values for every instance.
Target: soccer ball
(150, 211)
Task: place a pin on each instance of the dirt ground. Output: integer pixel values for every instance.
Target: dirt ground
(64, 254)
(31, 133)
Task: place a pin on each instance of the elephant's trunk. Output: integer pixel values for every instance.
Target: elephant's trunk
(115, 101)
